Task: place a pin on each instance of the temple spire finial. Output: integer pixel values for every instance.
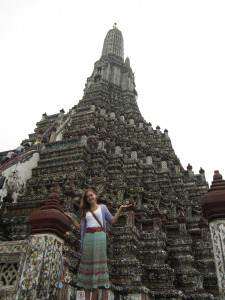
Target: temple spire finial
(113, 43)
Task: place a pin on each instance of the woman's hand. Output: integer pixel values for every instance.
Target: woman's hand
(77, 225)
(125, 206)
(69, 217)
(116, 217)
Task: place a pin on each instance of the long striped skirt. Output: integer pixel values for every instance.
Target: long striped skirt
(93, 270)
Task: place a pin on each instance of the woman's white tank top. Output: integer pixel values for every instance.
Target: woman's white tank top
(90, 220)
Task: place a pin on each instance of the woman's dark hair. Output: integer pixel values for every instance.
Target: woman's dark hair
(84, 205)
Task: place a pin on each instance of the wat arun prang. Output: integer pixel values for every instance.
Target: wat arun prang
(161, 248)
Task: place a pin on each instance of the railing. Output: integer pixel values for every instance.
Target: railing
(16, 158)
(60, 144)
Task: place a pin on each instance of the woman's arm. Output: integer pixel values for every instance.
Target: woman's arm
(75, 223)
(116, 217)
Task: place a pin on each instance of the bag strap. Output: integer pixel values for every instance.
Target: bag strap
(96, 218)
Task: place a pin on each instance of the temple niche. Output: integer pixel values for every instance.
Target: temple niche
(161, 247)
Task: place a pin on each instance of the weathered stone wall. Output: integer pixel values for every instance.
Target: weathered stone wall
(23, 171)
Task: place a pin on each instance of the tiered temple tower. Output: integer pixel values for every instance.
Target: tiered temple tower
(161, 248)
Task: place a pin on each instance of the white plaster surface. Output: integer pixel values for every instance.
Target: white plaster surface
(24, 170)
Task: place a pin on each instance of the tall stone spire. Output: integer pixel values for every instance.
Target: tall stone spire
(113, 79)
(113, 43)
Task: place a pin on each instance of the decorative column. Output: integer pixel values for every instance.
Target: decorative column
(164, 166)
(149, 158)
(112, 114)
(131, 120)
(122, 119)
(166, 134)
(61, 115)
(158, 130)
(41, 268)
(84, 137)
(160, 274)
(101, 143)
(118, 149)
(177, 166)
(190, 172)
(125, 268)
(149, 126)
(213, 206)
(102, 111)
(202, 174)
(134, 153)
(93, 107)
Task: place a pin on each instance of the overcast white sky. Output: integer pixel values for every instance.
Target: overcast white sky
(176, 48)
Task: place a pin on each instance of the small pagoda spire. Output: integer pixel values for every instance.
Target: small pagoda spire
(213, 203)
(50, 219)
(189, 167)
(115, 26)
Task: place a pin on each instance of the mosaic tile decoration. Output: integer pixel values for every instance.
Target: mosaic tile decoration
(217, 229)
(41, 271)
(12, 255)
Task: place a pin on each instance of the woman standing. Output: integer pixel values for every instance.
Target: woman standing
(93, 270)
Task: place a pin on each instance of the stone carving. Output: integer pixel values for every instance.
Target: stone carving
(12, 255)
(8, 274)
